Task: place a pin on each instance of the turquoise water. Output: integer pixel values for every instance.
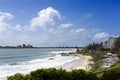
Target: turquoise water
(25, 60)
(9, 56)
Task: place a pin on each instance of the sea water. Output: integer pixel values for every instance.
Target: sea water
(25, 60)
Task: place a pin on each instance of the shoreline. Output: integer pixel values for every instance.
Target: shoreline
(81, 63)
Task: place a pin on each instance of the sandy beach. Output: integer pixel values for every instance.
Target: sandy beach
(84, 63)
(81, 63)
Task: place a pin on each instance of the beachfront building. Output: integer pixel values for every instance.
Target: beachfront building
(110, 43)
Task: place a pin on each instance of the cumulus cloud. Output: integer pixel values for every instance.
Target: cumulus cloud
(3, 17)
(2, 27)
(17, 27)
(46, 29)
(46, 18)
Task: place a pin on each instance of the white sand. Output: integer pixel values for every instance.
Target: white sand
(84, 63)
(81, 63)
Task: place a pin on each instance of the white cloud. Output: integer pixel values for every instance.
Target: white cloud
(67, 25)
(3, 24)
(46, 18)
(100, 35)
(80, 30)
(17, 27)
(2, 27)
(46, 29)
(5, 16)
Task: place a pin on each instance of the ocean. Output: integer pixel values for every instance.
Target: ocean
(25, 60)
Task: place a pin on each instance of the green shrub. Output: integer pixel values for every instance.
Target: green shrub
(17, 76)
(55, 74)
(111, 75)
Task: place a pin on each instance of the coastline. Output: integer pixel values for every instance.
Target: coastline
(81, 63)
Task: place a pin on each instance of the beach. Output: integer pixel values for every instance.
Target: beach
(81, 63)
(84, 64)
(26, 60)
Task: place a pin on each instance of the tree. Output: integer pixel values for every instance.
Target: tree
(117, 44)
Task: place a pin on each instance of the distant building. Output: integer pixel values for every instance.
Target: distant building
(110, 43)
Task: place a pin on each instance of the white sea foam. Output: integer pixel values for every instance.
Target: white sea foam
(27, 66)
(58, 52)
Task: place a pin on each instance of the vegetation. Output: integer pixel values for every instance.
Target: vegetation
(117, 44)
(115, 66)
(112, 73)
(97, 51)
(94, 46)
(55, 74)
(116, 49)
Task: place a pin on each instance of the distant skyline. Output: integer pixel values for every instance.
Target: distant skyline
(58, 22)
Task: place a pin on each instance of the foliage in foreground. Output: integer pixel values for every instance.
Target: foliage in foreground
(55, 74)
(111, 75)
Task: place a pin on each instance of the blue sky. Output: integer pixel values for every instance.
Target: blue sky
(58, 22)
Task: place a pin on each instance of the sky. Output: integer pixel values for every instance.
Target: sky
(54, 23)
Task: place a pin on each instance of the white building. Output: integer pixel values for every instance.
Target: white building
(110, 43)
